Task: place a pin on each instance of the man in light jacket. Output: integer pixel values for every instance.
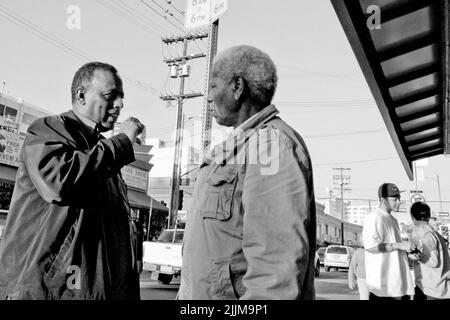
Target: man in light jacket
(251, 231)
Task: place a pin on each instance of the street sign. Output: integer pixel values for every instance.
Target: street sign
(443, 214)
(201, 13)
(416, 196)
(218, 8)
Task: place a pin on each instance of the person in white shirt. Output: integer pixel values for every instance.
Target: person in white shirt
(387, 270)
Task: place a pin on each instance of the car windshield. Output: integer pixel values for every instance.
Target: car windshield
(167, 236)
(337, 250)
(321, 250)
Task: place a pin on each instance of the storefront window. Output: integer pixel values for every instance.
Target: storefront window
(10, 114)
(6, 190)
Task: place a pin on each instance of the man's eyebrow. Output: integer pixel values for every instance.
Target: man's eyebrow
(115, 91)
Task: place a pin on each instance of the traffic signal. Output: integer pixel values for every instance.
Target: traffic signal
(180, 199)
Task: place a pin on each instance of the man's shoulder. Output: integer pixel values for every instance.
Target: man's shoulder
(372, 216)
(51, 121)
(286, 135)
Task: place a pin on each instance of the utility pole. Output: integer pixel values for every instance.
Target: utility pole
(180, 69)
(207, 118)
(342, 180)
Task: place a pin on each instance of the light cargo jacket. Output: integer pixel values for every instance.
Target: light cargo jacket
(251, 231)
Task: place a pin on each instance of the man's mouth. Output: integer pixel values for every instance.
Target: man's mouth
(114, 115)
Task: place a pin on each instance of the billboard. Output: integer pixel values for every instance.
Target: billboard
(11, 142)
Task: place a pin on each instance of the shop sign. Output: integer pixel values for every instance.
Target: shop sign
(136, 178)
(11, 143)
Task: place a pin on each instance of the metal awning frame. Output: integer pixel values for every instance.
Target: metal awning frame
(352, 18)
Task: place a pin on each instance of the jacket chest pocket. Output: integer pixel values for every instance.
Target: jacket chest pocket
(220, 189)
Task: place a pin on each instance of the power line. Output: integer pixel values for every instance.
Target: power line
(350, 133)
(176, 9)
(167, 12)
(327, 103)
(126, 13)
(48, 37)
(354, 162)
(320, 73)
(163, 16)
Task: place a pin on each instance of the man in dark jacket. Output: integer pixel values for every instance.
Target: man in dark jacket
(68, 233)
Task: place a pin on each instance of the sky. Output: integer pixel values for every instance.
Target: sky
(321, 90)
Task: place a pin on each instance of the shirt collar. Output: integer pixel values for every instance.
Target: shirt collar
(222, 152)
(89, 124)
(262, 116)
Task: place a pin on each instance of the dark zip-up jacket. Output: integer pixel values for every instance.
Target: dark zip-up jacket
(68, 234)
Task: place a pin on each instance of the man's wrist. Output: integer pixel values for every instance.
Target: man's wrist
(394, 246)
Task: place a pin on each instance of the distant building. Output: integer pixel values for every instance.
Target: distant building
(161, 175)
(333, 207)
(357, 214)
(15, 118)
(329, 229)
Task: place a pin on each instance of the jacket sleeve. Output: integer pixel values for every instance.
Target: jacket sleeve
(276, 223)
(60, 170)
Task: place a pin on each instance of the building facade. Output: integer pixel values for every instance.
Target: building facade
(329, 229)
(15, 118)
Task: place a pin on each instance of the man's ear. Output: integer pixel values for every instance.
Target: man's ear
(238, 87)
(81, 96)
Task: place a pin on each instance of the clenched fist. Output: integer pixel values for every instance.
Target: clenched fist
(132, 127)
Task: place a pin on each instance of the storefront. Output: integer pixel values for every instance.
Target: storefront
(15, 117)
(150, 213)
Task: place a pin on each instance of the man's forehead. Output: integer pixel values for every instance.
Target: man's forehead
(107, 79)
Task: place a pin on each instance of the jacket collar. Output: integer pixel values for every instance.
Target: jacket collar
(88, 130)
(226, 150)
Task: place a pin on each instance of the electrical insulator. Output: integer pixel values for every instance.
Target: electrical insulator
(174, 71)
(185, 71)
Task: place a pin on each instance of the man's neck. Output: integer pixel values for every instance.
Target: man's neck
(88, 122)
(247, 111)
(383, 207)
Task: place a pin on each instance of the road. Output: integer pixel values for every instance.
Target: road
(329, 286)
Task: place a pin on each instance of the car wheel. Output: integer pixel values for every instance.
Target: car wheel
(327, 269)
(165, 278)
(317, 269)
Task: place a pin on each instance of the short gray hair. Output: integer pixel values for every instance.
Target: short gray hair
(255, 66)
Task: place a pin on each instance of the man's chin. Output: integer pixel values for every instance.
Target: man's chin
(223, 122)
(107, 126)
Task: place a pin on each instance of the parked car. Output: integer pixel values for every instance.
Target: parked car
(317, 265)
(338, 257)
(321, 252)
(163, 256)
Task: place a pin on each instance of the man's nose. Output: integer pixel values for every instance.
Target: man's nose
(118, 103)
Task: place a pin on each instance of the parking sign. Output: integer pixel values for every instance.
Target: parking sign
(200, 13)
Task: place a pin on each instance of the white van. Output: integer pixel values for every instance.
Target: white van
(338, 257)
